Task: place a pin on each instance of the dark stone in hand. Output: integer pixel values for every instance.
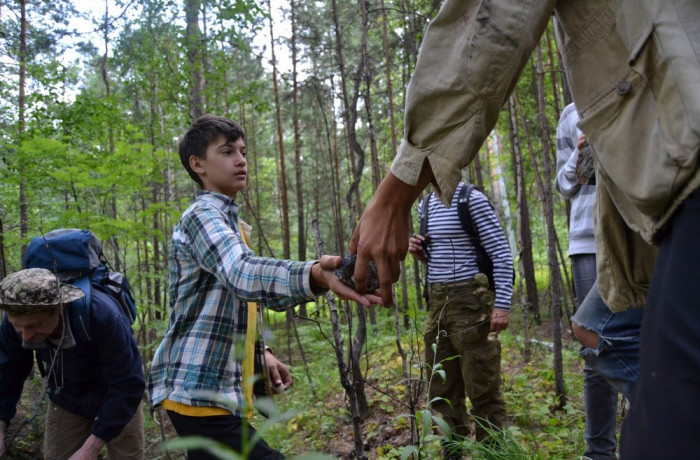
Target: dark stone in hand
(585, 167)
(347, 269)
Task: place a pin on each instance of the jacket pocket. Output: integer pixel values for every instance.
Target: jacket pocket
(641, 130)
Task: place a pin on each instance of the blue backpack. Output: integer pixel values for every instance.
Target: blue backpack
(76, 257)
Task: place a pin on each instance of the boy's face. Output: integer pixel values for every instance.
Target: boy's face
(225, 168)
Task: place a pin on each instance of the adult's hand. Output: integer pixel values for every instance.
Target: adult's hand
(581, 142)
(415, 246)
(382, 233)
(499, 320)
(89, 450)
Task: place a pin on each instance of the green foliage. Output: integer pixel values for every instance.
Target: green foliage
(502, 444)
(536, 430)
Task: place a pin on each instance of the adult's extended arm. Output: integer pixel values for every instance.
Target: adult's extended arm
(383, 231)
(472, 55)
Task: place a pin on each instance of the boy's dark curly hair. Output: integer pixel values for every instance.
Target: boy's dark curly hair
(201, 134)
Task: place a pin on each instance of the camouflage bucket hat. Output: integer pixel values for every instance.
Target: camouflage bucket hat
(35, 290)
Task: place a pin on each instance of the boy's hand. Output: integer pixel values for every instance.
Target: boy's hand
(280, 377)
(322, 277)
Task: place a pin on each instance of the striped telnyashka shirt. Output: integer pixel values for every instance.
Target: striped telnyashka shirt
(451, 255)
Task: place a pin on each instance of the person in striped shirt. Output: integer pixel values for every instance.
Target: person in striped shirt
(464, 316)
(196, 373)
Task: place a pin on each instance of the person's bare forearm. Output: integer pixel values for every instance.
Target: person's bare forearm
(382, 233)
(399, 193)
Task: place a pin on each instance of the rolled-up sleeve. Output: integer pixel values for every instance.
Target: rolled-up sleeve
(471, 57)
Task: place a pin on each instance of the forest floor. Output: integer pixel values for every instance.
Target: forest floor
(314, 416)
(385, 428)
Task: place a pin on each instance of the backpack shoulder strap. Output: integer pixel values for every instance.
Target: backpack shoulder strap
(423, 229)
(463, 211)
(80, 308)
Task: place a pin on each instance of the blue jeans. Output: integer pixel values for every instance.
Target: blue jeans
(617, 355)
(665, 412)
(583, 271)
(600, 398)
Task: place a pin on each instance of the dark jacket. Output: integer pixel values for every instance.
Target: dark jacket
(101, 376)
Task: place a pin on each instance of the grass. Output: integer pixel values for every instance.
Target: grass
(322, 422)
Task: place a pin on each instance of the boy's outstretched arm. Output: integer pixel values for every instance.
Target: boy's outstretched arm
(383, 231)
(323, 278)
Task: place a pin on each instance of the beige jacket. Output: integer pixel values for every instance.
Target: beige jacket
(634, 71)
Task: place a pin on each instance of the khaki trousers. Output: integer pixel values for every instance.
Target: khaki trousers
(459, 325)
(66, 432)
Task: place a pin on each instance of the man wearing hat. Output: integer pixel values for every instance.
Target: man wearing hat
(95, 380)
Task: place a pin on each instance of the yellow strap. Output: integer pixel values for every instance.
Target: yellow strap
(193, 411)
(248, 364)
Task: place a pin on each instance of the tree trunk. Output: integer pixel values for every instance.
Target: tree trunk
(329, 129)
(356, 348)
(282, 170)
(367, 76)
(21, 101)
(526, 267)
(394, 148)
(193, 44)
(253, 203)
(301, 218)
(412, 384)
(553, 66)
(526, 257)
(367, 97)
(3, 260)
(387, 75)
(547, 202)
(356, 153)
(112, 212)
(344, 370)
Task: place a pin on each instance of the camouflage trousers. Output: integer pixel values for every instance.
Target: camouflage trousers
(458, 323)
